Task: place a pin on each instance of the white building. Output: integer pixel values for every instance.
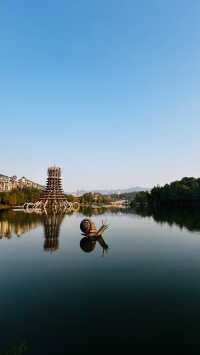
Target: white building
(9, 183)
(5, 183)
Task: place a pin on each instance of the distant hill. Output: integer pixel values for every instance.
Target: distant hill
(114, 191)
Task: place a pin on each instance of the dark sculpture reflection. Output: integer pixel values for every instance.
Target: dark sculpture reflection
(92, 236)
(88, 244)
(52, 225)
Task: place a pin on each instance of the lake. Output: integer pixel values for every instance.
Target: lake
(135, 290)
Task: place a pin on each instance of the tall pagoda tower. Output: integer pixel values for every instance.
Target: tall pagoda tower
(53, 192)
(53, 197)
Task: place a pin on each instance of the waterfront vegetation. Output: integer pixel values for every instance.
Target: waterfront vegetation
(181, 193)
(90, 198)
(4, 207)
(184, 192)
(18, 197)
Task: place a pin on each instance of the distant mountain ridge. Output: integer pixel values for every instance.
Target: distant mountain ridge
(114, 191)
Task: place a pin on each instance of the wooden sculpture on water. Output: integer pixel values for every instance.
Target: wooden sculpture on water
(89, 229)
(53, 198)
(92, 235)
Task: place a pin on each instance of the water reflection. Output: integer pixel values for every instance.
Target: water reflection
(88, 244)
(188, 218)
(91, 211)
(52, 225)
(17, 223)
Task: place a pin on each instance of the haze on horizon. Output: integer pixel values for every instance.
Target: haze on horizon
(108, 90)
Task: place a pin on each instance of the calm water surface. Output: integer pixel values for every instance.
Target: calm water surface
(141, 294)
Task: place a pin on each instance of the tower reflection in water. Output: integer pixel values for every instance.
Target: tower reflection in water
(52, 225)
(17, 223)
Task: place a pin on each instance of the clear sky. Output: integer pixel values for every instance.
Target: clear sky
(107, 89)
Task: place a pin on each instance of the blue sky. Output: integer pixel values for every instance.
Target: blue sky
(106, 89)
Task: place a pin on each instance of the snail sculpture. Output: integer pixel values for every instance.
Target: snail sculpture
(92, 235)
(89, 229)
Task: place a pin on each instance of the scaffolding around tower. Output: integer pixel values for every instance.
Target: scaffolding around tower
(53, 197)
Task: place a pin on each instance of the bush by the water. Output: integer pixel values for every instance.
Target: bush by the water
(179, 193)
(19, 197)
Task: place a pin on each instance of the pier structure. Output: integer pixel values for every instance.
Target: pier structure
(53, 197)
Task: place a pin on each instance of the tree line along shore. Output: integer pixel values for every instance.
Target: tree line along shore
(18, 197)
(180, 193)
(184, 192)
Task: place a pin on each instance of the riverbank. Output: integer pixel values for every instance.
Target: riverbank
(82, 206)
(109, 206)
(184, 193)
(5, 207)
